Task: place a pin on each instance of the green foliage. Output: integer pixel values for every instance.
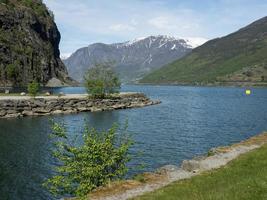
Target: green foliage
(33, 88)
(101, 80)
(38, 6)
(12, 71)
(100, 159)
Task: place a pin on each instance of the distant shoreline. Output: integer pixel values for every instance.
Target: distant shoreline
(217, 84)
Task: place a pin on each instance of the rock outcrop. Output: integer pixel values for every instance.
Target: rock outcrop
(29, 44)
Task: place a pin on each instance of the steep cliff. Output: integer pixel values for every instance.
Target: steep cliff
(29, 45)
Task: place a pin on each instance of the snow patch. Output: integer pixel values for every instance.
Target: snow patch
(65, 56)
(135, 40)
(195, 41)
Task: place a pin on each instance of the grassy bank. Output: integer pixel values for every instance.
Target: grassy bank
(243, 178)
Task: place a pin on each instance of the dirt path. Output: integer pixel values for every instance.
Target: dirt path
(219, 157)
(65, 96)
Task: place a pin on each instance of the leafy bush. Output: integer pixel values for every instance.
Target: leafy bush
(101, 80)
(13, 71)
(100, 159)
(33, 88)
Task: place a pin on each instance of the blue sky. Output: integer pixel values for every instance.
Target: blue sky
(82, 22)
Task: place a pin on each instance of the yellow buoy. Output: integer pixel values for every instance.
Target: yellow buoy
(248, 92)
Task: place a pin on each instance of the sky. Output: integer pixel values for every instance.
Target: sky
(83, 22)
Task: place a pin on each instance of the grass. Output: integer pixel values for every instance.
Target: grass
(11, 94)
(243, 178)
(27, 95)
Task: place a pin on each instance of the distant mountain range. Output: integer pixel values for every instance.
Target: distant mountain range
(239, 58)
(133, 59)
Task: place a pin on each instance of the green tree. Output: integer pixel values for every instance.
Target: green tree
(101, 158)
(101, 81)
(12, 71)
(33, 88)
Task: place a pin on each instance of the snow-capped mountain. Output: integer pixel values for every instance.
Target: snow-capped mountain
(133, 59)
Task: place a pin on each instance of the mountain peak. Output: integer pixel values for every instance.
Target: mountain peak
(133, 58)
(190, 42)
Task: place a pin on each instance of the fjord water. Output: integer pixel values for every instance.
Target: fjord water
(188, 122)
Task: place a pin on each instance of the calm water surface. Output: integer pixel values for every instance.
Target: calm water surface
(189, 122)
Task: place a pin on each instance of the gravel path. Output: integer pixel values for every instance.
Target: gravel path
(66, 96)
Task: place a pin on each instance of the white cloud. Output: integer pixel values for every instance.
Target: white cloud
(121, 27)
(160, 22)
(83, 22)
(185, 24)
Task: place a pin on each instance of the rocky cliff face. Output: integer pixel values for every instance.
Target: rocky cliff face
(29, 45)
(133, 59)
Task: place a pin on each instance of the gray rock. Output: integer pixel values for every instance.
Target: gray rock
(2, 113)
(41, 110)
(191, 165)
(27, 113)
(168, 168)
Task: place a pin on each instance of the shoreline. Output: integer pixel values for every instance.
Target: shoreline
(21, 106)
(218, 84)
(215, 159)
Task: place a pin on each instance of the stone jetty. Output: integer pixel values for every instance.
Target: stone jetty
(20, 106)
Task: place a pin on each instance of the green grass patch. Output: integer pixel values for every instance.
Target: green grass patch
(243, 178)
(11, 94)
(27, 95)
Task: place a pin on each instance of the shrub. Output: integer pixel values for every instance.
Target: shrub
(33, 88)
(12, 71)
(100, 159)
(101, 80)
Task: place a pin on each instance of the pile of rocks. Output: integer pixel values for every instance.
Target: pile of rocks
(19, 107)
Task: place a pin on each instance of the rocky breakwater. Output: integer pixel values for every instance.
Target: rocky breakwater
(16, 106)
